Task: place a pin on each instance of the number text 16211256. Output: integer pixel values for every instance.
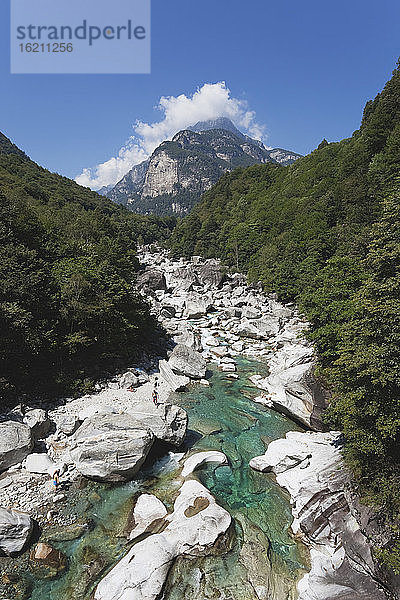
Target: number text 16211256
(50, 47)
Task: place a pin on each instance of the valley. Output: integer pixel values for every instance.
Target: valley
(200, 372)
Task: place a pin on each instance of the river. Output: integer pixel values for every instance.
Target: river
(260, 560)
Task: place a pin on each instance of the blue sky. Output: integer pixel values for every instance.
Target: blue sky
(305, 69)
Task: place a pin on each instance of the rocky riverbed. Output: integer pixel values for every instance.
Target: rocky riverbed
(210, 317)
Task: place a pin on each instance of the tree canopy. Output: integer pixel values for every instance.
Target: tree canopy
(68, 309)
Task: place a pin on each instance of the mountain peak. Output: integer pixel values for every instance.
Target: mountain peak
(218, 123)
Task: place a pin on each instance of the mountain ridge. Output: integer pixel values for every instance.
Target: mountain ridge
(180, 170)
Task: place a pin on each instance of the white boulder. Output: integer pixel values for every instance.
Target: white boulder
(186, 361)
(40, 463)
(15, 443)
(250, 313)
(246, 329)
(219, 351)
(15, 530)
(67, 423)
(148, 509)
(128, 379)
(193, 528)
(196, 305)
(175, 382)
(168, 422)
(287, 382)
(191, 339)
(200, 458)
(110, 447)
(38, 421)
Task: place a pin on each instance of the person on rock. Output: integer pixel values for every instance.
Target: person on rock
(56, 479)
(155, 397)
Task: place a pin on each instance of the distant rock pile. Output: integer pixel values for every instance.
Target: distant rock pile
(199, 304)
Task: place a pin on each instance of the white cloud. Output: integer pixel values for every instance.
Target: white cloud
(111, 171)
(210, 101)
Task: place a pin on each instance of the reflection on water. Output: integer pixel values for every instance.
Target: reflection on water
(262, 560)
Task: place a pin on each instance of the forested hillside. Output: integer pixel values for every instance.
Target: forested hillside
(325, 233)
(67, 263)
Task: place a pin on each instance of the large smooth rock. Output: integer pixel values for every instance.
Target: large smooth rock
(40, 463)
(193, 528)
(38, 421)
(195, 309)
(67, 423)
(190, 339)
(201, 458)
(186, 361)
(210, 274)
(219, 351)
(15, 530)
(168, 422)
(15, 443)
(147, 513)
(182, 278)
(110, 447)
(288, 383)
(260, 329)
(128, 379)
(310, 467)
(151, 280)
(175, 382)
(247, 329)
(197, 305)
(250, 313)
(279, 310)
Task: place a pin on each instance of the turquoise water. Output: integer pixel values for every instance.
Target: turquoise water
(243, 430)
(263, 549)
(259, 560)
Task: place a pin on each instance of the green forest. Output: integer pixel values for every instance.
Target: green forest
(68, 310)
(324, 232)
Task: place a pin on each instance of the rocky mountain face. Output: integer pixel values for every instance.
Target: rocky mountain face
(179, 171)
(105, 189)
(283, 157)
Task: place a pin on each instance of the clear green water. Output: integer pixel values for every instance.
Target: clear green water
(264, 560)
(261, 559)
